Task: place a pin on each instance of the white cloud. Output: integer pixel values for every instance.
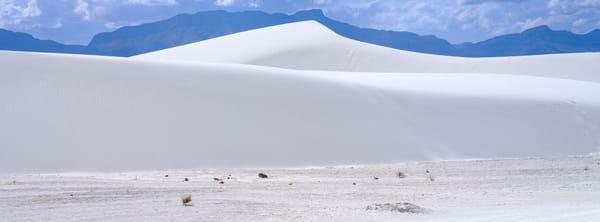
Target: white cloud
(83, 8)
(579, 22)
(571, 6)
(151, 2)
(116, 25)
(476, 20)
(321, 2)
(32, 9)
(224, 2)
(454, 20)
(14, 13)
(531, 22)
(57, 24)
(112, 25)
(254, 3)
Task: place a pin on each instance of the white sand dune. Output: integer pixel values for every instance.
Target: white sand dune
(101, 113)
(98, 113)
(311, 46)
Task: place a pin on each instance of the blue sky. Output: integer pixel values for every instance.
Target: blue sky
(76, 21)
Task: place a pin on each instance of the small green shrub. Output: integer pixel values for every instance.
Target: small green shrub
(400, 174)
(186, 200)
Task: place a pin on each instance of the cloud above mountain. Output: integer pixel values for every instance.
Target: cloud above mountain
(76, 21)
(14, 13)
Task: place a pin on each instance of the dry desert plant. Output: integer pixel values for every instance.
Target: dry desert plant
(400, 174)
(186, 200)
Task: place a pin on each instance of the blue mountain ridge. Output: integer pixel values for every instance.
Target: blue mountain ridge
(17, 41)
(187, 28)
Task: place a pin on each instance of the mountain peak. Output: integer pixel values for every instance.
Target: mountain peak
(311, 13)
(541, 28)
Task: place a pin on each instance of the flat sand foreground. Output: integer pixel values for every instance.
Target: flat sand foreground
(534, 189)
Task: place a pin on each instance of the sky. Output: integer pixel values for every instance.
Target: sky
(77, 21)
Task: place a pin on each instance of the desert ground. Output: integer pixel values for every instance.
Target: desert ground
(532, 189)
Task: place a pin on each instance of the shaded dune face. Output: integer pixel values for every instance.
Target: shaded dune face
(157, 111)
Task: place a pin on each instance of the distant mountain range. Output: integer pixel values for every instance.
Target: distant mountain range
(538, 40)
(188, 28)
(17, 41)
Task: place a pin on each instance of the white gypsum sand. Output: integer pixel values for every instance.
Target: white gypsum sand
(311, 46)
(97, 113)
(538, 189)
(298, 95)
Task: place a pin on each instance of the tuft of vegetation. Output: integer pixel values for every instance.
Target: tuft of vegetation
(263, 175)
(586, 168)
(376, 178)
(186, 200)
(400, 174)
(186, 179)
(430, 177)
